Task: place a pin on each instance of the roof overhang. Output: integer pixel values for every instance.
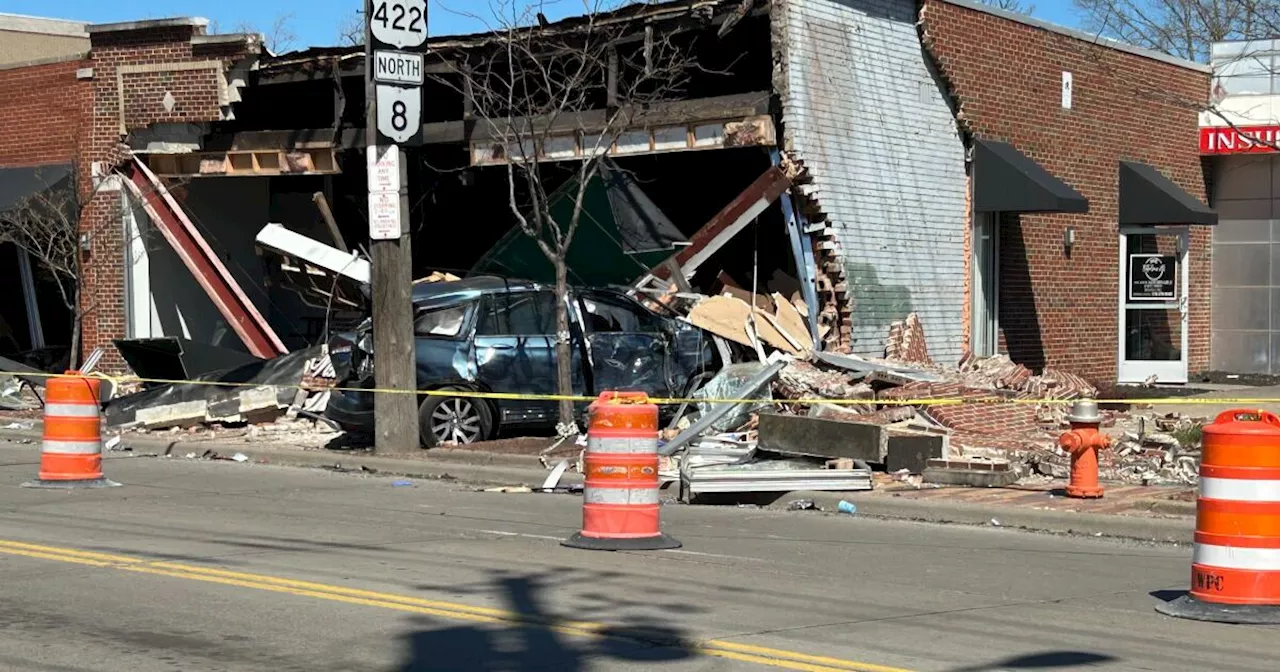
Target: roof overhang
(1006, 180)
(1148, 198)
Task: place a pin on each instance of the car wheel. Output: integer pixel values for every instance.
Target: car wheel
(458, 420)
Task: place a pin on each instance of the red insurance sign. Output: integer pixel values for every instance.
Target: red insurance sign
(1239, 140)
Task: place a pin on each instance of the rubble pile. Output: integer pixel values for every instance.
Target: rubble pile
(982, 416)
(260, 393)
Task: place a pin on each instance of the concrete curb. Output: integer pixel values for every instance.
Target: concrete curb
(494, 469)
(467, 466)
(1165, 530)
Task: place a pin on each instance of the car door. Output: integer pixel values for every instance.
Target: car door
(627, 344)
(441, 353)
(514, 352)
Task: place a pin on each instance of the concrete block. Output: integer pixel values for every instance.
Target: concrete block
(913, 452)
(819, 437)
(976, 473)
(970, 478)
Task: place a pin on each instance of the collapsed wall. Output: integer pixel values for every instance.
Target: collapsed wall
(864, 115)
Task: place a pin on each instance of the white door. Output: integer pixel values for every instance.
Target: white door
(985, 311)
(1154, 281)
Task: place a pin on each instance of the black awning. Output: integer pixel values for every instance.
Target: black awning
(1148, 198)
(16, 184)
(1006, 180)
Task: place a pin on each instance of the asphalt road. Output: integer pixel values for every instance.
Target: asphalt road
(225, 566)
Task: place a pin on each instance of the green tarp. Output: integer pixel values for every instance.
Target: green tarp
(620, 236)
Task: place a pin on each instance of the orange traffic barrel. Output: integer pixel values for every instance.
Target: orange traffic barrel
(1235, 566)
(620, 506)
(71, 452)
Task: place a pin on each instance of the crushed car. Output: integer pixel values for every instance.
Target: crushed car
(491, 334)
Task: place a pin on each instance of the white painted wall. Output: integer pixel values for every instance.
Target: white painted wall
(866, 115)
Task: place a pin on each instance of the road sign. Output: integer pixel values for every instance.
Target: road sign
(399, 112)
(384, 169)
(397, 67)
(401, 23)
(384, 215)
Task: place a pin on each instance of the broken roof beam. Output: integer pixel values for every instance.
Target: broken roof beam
(717, 108)
(730, 221)
(203, 263)
(348, 264)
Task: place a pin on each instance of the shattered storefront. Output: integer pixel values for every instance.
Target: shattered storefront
(814, 167)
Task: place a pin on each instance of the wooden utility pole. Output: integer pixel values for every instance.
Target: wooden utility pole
(394, 367)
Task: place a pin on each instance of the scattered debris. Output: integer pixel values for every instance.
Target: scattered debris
(848, 507)
(553, 479)
(240, 457)
(803, 505)
(509, 489)
(402, 484)
(113, 444)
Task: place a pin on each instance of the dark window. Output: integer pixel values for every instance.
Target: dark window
(609, 314)
(442, 321)
(518, 314)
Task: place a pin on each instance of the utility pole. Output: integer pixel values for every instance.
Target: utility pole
(395, 42)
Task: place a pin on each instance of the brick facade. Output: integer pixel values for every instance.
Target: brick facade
(1006, 77)
(45, 113)
(147, 65)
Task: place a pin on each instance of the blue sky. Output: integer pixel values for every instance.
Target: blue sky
(315, 22)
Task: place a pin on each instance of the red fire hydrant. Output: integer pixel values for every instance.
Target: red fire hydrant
(1083, 443)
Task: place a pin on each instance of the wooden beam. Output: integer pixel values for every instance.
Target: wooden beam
(734, 106)
(729, 222)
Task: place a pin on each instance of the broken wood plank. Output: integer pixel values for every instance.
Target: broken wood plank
(792, 322)
(728, 316)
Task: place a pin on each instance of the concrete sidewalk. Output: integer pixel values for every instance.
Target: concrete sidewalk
(1144, 518)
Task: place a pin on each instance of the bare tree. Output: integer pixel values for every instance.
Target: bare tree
(1011, 5)
(1184, 28)
(351, 30)
(552, 101)
(278, 38)
(46, 225)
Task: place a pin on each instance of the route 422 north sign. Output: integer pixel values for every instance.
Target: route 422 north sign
(399, 23)
(394, 59)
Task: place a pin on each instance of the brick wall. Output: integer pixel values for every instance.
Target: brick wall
(44, 111)
(1006, 78)
(863, 113)
(145, 64)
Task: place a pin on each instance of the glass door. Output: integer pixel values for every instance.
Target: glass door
(1154, 280)
(985, 313)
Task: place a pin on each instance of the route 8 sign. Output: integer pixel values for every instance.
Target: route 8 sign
(399, 112)
(394, 60)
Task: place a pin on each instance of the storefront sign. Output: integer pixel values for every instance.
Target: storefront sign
(1153, 277)
(1239, 140)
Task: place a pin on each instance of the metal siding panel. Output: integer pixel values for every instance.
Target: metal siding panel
(867, 118)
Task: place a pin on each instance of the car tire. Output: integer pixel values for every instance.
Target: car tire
(461, 420)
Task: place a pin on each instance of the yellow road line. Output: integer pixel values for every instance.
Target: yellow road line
(778, 658)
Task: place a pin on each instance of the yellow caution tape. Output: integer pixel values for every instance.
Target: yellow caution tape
(511, 396)
(661, 401)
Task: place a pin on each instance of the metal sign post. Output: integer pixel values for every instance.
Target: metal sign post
(395, 41)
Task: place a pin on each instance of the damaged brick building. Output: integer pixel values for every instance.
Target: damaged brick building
(874, 156)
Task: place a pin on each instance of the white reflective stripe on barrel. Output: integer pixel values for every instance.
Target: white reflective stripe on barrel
(71, 410)
(1236, 557)
(1240, 489)
(620, 496)
(72, 447)
(618, 445)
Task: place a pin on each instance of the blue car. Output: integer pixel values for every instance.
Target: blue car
(490, 334)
